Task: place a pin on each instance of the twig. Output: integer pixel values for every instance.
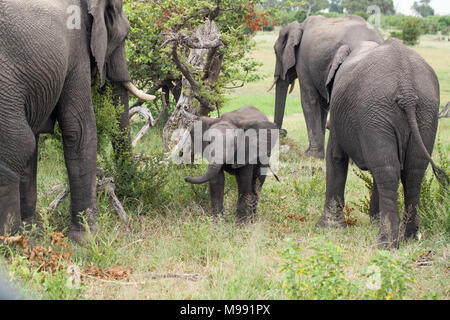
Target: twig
(152, 275)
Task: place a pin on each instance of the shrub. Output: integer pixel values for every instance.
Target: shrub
(321, 274)
(411, 31)
(388, 278)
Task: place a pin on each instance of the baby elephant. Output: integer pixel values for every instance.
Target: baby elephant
(384, 116)
(240, 143)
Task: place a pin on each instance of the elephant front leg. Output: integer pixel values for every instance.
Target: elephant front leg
(374, 210)
(216, 191)
(337, 168)
(28, 190)
(247, 200)
(77, 121)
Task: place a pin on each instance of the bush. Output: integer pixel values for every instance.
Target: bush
(411, 31)
(321, 274)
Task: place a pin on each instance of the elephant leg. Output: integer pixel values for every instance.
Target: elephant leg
(314, 117)
(246, 197)
(387, 179)
(412, 184)
(374, 205)
(258, 182)
(337, 168)
(28, 190)
(17, 143)
(76, 118)
(9, 201)
(216, 191)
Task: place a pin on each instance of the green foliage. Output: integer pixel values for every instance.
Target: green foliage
(318, 273)
(318, 276)
(353, 6)
(388, 278)
(411, 31)
(423, 8)
(151, 63)
(435, 199)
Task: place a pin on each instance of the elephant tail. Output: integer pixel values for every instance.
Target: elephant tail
(409, 106)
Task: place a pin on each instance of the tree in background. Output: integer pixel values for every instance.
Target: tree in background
(336, 6)
(423, 8)
(411, 31)
(353, 6)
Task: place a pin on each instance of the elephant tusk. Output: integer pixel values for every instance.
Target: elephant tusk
(292, 87)
(275, 80)
(138, 93)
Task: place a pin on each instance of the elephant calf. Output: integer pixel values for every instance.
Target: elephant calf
(384, 116)
(240, 143)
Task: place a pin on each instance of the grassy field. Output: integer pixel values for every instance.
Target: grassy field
(233, 262)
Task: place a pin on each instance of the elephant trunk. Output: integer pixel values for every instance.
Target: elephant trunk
(280, 100)
(213, 170)
(138, 93)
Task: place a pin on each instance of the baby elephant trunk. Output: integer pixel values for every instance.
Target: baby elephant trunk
(213, 170)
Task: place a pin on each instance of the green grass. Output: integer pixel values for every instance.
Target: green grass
(235, 262)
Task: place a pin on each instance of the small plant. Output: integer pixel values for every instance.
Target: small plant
(388, 278)
(318, 276)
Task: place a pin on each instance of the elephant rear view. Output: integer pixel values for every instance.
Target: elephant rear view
(49, 53)
(305, 51)
(384, 116)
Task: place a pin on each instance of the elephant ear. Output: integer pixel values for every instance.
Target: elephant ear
(99, 35)
(285, 48)
(339, 58)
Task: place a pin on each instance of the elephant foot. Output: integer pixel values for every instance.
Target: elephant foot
(315, 153)
(81, 235)
(375, 219)
(78, 232)
(387, 243)
(326, 221)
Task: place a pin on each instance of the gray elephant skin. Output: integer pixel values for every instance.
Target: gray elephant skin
(250, 171)
(46, 74)
(306, 50)
(384, 117)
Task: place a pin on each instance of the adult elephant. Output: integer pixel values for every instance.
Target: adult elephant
(240, 143)
(49, 52)
(384, 116)
(306, 50)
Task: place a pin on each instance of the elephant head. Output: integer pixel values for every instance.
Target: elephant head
(286, 48)
(232, 142)
(109, 30)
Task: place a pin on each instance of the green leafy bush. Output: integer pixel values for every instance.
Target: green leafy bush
(317, 276)
(318, 273)
(411, 31)
(388, 278)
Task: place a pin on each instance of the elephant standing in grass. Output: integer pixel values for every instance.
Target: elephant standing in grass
(384, 116)
(306, 50)
(49, 53)
(239, 142)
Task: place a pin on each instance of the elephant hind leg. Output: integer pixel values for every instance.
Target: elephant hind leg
(412, 184)
(9, 201)
(337, 169)
(387, 179)
(17, 144)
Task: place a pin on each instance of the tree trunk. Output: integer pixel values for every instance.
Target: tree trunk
(205, 59)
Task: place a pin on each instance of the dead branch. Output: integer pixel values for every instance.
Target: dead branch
(152, 275)
(105, 184)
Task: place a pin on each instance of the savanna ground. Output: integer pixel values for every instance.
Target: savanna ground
(234, 262)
